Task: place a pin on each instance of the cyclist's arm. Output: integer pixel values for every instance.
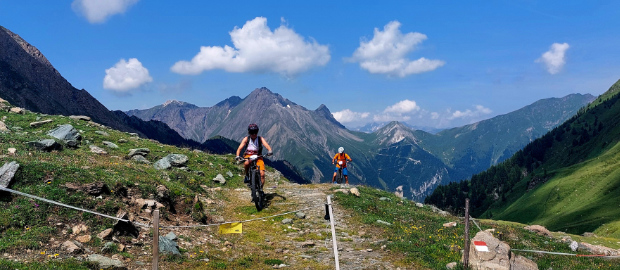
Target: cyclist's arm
(349, 158)
(265, 144)
(241, 145)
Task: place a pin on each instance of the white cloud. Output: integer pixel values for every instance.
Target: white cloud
(258, 49)
(479, 111)
(98, 11)
(386, 53)
(404, 106)
(126, 75)
(348, 116)
(555, 58)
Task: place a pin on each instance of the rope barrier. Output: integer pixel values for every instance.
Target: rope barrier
(565, 254)
(138, 223)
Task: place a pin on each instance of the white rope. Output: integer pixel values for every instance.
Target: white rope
(66, 205)
(474, 221)
(565, 254)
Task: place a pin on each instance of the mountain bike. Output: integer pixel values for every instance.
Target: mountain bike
(258, 196)
(339, 176)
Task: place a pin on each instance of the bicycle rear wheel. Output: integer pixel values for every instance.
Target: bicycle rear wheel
(339, 176)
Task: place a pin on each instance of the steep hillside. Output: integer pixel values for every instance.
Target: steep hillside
(567, 180)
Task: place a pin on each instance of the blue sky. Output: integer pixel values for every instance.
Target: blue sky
(428, 63)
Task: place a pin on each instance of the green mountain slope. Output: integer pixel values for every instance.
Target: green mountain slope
(567, 180)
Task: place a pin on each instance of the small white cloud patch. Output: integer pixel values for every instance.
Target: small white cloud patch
(348, 116)
(479, 111)
(126, 75)
(98, 11)
(555, 58)
(386, 53)
(258, 49)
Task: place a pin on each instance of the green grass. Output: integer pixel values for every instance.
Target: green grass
(579, 198)
(66, 264)
(418, 234)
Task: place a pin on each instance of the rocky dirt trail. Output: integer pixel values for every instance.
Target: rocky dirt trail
(359, 246)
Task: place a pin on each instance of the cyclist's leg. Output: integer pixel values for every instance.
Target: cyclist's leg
(345, 172)
(261, 167)
(246, 165)
(334, 177)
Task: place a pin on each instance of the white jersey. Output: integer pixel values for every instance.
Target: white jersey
(253, 145)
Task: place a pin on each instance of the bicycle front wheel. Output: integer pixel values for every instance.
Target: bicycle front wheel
(257, 192)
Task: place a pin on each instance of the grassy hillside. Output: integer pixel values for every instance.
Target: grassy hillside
(567, 180)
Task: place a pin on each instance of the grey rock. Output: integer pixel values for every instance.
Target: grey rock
(171, 236)
(177, 160)
(45, 145)
(300, 215)
(419, 205)
(287, 221)
(80, 117)
(573, 245)
(133, 134)
(105, 262)
(230, 174)
(162, 164)
(40, 123)
(167, 246)
(451, 265)
(140, 159)
(219, 179)
(7, 172)
(3, 127)
(110, 144)
(97, 150)
(107, 247)
(102, 133)
(65, 133)
(71, 247)
(384, 222)
(138, 151)
(384, 199)
(498, 257)
(122, 141)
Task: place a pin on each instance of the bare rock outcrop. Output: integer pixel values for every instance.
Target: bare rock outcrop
(499, 256)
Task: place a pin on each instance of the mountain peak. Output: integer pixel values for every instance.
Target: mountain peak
(175, 102)
(394, 132)
(323, 111)
(31, 50)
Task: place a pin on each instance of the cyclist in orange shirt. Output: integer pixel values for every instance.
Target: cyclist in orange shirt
(340, 159)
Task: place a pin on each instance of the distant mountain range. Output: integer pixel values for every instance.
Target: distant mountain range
(374, 126)
(394, 155)
(567, 180)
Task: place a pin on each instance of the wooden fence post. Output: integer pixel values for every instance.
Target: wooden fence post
(466, 251)
(331, 219)
(155, 239)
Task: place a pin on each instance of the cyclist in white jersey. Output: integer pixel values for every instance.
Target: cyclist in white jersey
(254, 146)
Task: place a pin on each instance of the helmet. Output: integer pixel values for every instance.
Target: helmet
(341, 150)
(253, 129)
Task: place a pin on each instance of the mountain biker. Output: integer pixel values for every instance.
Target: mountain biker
(340, 160)
(254, 146)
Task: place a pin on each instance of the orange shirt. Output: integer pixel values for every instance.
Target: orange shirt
(341, 157)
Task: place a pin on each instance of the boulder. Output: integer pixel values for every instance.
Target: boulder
(540, 230)
(7, 172)
(17, 110)
(47, 145)
(105, 234)
(140, 159)
(450, 224)
(80, 117)
(65, 133)
(110, 144)
(167, 246)
(219, 179)
(83, 238)
(12, 151)
(97, 150)
(177, 160)
(105, 262)
(598, 250)
(102, 133)
(71, 247)
(40, 123)
(355, 192)
(96, 189)
(138, 151)
(3, 127)
(499, 256)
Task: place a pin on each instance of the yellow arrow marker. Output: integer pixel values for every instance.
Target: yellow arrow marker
(231, 228)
